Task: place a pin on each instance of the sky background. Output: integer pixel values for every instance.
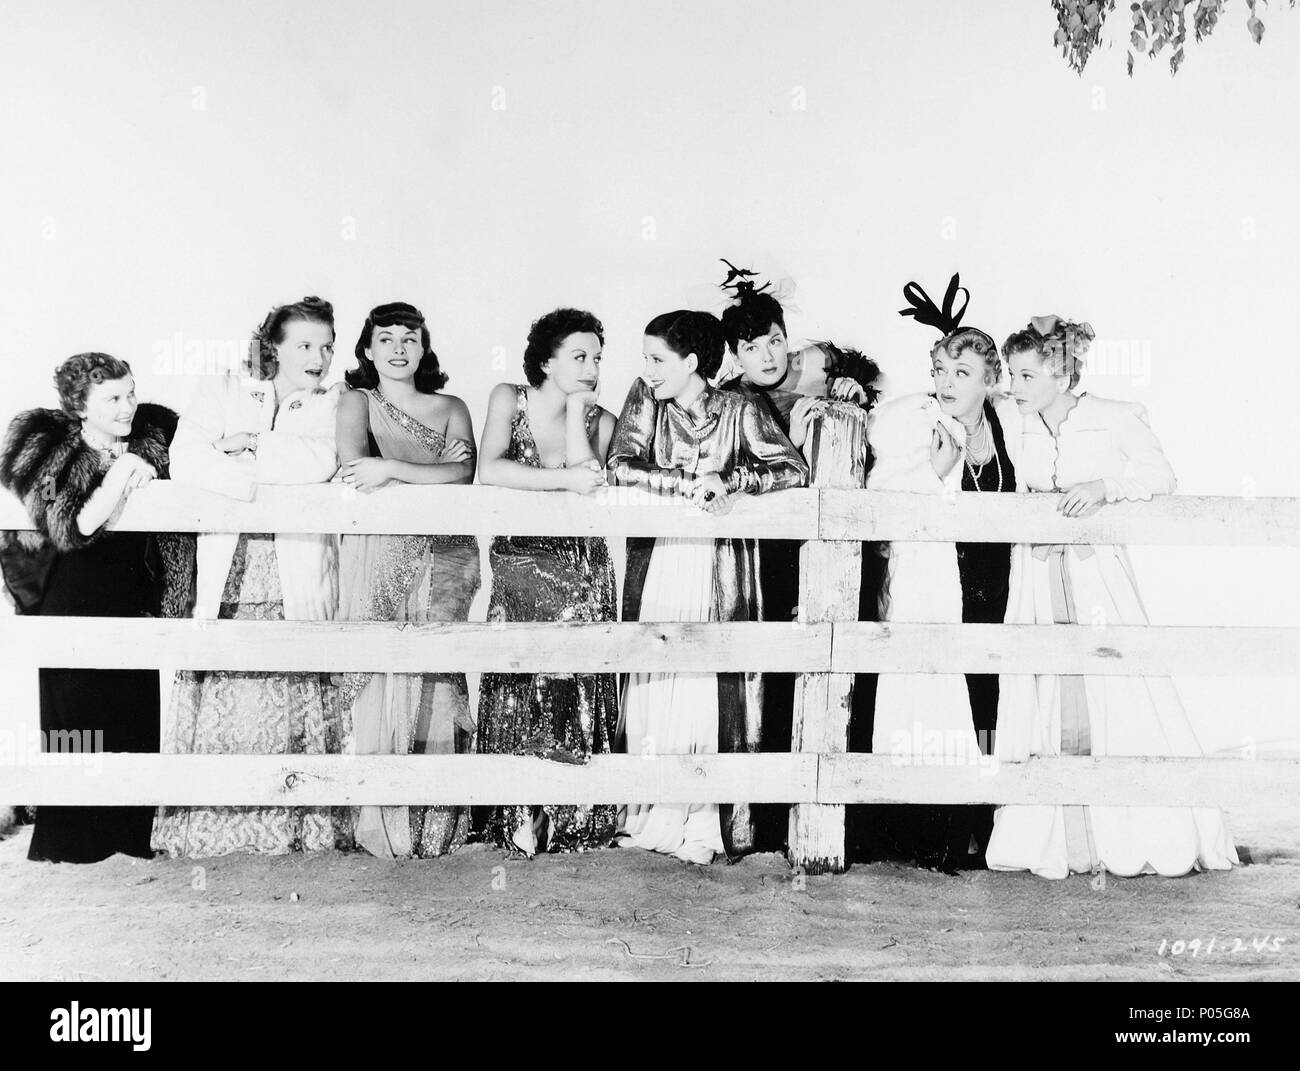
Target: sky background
(172, 171)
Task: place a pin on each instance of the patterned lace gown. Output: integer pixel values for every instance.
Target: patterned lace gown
(240, 713)
(569, 716)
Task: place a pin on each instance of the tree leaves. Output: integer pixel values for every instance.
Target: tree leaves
(1156, 23)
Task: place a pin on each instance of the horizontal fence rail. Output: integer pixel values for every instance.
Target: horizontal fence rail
(1168, 520)
(805, 514)
(321, 780)
(647, 647)
(341, 646)
(825, 650)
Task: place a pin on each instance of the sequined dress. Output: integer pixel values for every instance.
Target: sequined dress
(414, 578)
(569, 716)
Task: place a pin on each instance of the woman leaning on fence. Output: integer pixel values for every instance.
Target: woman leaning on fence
(820, 383)
(960, 436)
(275, 426)
(74, 468)
(396, 426)
(679, 436)
(1089, 451)
(550, 435)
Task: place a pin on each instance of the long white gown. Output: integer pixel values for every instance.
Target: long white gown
(1046, 714)
(675, 713)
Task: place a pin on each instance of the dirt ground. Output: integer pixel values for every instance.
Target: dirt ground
(617, 914)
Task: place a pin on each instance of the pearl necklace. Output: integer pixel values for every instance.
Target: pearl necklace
(975, 475)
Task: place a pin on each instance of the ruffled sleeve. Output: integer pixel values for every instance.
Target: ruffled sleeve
(1147, 471)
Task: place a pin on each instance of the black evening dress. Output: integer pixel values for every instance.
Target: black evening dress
(118, 575)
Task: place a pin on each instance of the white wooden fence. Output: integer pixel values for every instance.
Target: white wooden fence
(826, 648)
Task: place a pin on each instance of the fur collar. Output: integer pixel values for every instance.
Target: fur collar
(45, 462)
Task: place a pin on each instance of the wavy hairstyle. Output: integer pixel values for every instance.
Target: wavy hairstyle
(75, 376)
(686, 332)
(270, 333)
(549, 331)
(1061, 345)
(978, 342)
(429, 376)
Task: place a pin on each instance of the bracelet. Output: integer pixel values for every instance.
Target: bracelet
(252, 444)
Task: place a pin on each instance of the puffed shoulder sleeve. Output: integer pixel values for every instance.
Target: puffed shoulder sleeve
(631, 451)
(1146, 471)
(306, 454)
(194, 460)
(900, 433)
(768, 460)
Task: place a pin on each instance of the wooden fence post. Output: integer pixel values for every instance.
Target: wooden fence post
(830, 577)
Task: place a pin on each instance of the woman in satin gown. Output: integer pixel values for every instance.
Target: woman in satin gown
(797, 389)
(1089, 451)
(550, 435)
(396, 427)
(679, 436)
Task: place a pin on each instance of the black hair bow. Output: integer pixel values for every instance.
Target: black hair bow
(925, 310)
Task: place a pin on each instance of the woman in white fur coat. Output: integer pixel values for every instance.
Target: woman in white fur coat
(275, 427)
(960, 438)
(1091, 451)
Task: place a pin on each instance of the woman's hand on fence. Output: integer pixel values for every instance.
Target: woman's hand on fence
(709, 493)
(584, 478)
(845, 389)
(944, 451)
(801, 417)
(135, 472)
(456, 451)
(1083, 499)
(234, 444)
(366, 474)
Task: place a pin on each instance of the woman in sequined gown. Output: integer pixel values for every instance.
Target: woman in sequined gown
(550, 435)
(1090, 451)
(679, 436)
(395, 427)
(276, 426)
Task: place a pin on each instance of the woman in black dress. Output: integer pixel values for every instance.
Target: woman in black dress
(789, 387)
(960, 437)
(74, 468)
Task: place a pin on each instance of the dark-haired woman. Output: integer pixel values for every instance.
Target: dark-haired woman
(1090, 451)
(395, 426)
(550, 435)
(679, 436)
(796, 388)
(74, 468)
(275, 426)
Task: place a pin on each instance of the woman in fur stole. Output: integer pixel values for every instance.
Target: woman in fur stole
(74, 468)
